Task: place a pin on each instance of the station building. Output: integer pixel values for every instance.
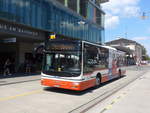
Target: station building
(132, 49)
(24, 25)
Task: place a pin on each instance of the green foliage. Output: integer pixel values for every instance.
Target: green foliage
(147, 57)
(144, 52)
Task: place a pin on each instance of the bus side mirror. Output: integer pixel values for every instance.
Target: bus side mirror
(40, 49)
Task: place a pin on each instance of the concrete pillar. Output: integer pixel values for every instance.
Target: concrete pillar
(78, 6)
(66, 3)
(24, 48)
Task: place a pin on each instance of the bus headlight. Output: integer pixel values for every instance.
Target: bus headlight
(76, 83)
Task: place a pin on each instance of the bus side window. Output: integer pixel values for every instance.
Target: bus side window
(95, 58)
(103, 57)
(90, 58)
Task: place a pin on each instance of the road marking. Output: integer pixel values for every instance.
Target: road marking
(115, 100)
(109, 106)
(20, 95)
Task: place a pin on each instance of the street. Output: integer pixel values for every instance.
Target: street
(28, 96)
(74, 56)
(134, 98)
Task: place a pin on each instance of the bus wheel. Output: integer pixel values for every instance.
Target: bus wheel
(98, 81)
(120, 74)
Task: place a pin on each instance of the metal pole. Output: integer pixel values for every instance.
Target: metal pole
(66, 3)
(78, 6)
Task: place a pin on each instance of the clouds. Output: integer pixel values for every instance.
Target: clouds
(141, 38)
(116, 9)
(125, 13)
(131, 11)
(111, 21)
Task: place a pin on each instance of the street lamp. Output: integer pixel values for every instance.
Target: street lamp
(82, 26)
(144, 15)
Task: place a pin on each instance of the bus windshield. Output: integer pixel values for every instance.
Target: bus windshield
(66, 63)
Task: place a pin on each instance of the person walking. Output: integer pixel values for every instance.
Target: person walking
(28, 66)
(138, 64)
(7, 67)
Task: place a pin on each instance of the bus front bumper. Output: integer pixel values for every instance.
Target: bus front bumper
(71, 85)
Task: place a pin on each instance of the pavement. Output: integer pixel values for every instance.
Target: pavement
(19, 78)
(134, 98)
(18, 75)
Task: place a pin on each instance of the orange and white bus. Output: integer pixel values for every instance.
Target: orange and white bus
(78, 65)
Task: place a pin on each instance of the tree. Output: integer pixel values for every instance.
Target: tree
(144, 51)
(145, 56)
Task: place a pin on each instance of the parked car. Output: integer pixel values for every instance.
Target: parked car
(144, 62)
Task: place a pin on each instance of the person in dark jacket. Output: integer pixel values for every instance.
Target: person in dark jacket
(7, 67)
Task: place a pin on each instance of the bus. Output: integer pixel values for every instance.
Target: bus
(78, 65)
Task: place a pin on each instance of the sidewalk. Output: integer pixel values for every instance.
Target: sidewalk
(17, 75)
(18, 78)
(135, 98)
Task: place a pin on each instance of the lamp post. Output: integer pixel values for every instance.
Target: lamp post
(144, 15)
(82, 26)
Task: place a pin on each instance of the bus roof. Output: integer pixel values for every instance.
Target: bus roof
(108, 47)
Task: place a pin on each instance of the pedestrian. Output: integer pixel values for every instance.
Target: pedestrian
(12, 67)
(28, 66)
(138, 63)
(7, 67)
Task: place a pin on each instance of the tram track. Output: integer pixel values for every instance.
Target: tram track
(85, 107)
(73, 102)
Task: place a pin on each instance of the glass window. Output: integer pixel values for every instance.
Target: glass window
(32, 14)
(63, 64)
(95, 58)
(61, 1)
(83, 7)
(1, 4)
(45, 15)
(72, 4)
(90, 58)
(121, 60)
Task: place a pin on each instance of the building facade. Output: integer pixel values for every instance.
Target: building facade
(25, 23)
(132, 48)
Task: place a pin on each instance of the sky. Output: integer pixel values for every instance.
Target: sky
(123, 19)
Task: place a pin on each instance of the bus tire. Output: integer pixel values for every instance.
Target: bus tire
(98, 80)
(120, 74)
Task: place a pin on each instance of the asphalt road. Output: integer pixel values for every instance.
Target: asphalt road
(31, 97)
(134, 98)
